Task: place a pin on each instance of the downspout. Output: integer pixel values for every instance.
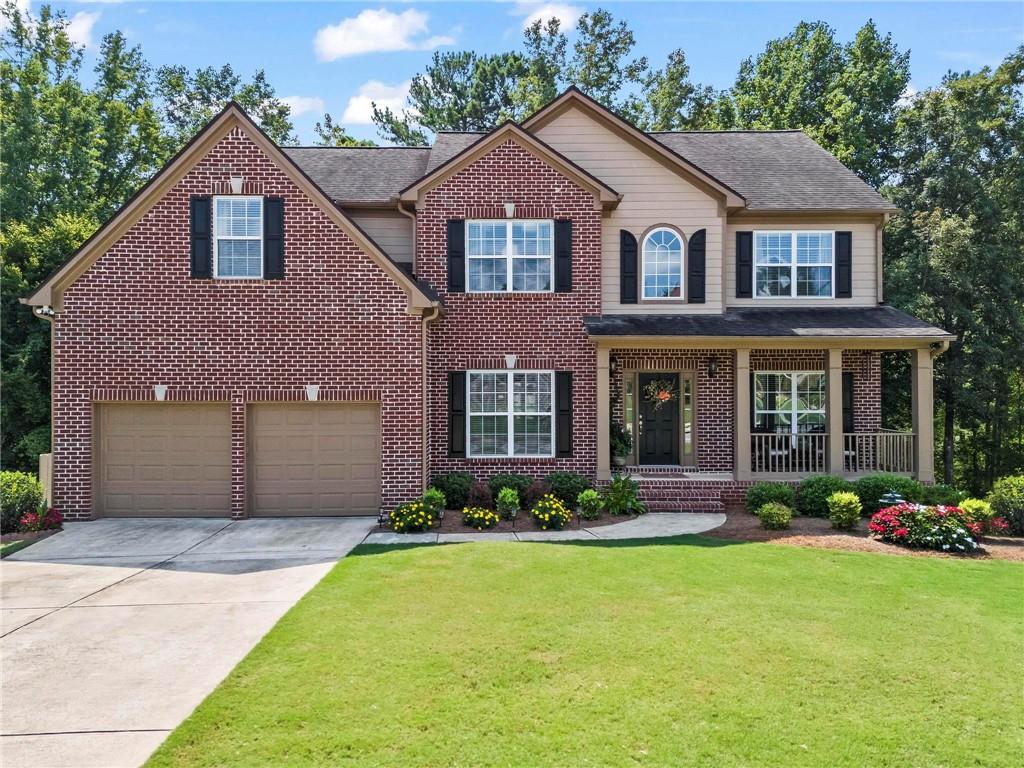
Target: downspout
(428, 317)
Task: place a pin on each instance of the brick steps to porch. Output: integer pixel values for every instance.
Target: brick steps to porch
(680, 496)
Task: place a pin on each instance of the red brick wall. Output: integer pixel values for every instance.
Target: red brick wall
(136, 319)
(544, 330)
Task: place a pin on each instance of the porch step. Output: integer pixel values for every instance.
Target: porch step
(680, 495)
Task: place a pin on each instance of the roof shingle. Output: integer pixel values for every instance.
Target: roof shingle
(361, 174)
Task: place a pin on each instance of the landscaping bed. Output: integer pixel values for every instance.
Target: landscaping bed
(452, 523)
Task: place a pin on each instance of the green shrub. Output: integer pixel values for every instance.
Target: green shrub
(567, 486)
(455, 487)
(411, 517)
(946, 495)
(508, 503)
(20, 493)
(873, 487)
(621, 497)
(480, 495)
(589, 504)
(518, 483)
(550, 513)
(535, 491)
(479, 518)
(812, 494)
(982, 518)
(843, 510)
(435, 502)
(760, 494)
(774, 516)
(1007, 499)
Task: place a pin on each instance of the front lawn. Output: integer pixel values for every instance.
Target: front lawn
(669, 653)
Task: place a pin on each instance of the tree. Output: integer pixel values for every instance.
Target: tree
(669, 101)
(600, 65)
(332, 135)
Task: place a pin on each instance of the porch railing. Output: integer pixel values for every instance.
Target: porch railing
(884, 451)
(786, 453)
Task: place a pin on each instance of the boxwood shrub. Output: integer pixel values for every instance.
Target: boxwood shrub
(873, 487)
(518, 483)
(567, 486)
(774, 516)
(946, 495)
(843, 510)
(812, 495)
(760, 494)
(455, 487)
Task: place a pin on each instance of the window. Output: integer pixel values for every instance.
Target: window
(513, 255)
(238, 236)
(791, 264)
(511, 413)
(663, 265)
(789, 402)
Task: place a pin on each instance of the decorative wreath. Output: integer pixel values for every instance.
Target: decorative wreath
(661, 391)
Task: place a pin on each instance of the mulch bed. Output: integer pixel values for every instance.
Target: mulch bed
(452, 523)
(740, 525)
(36, 536)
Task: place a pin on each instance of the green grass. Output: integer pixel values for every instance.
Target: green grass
(684, 653)
(10, 547)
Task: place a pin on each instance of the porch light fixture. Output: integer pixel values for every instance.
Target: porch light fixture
(510, 209)
(236, 184)
(510, 361)
(712, 367)
(613, 365)
(160, 391)
(312, 392)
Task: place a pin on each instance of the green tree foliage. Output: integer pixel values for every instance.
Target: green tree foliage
(330, 134)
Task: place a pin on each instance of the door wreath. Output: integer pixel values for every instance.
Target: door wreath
(661, 391)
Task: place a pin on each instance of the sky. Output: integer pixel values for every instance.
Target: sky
(341, 56)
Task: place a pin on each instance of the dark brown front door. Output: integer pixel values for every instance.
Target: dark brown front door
(658, 427)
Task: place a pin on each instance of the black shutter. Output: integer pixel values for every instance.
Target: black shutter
(695, 269)
(848, 402)
(844, 265)
(627, 267)
(563, 256)
(457, 413)
(563, 414)
(744, 265)
(273, 238)
(200, 222)
(456, 256)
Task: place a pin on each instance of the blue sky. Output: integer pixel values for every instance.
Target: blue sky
(340, 56)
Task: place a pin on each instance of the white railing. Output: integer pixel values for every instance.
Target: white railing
(885, 451)
(799, 454)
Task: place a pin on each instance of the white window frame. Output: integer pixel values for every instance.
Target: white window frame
(793, 263)
(509, 258)
(216, 238)
(793, 398)
(510, 415)
(682, 264)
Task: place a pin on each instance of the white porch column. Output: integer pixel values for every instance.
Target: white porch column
(741, 409)
(604, 405)
(922, 407)
(834, 411)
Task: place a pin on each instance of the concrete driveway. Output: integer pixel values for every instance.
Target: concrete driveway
(114, 630)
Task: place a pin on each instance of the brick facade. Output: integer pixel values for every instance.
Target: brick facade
(135, 319)
(544, 330)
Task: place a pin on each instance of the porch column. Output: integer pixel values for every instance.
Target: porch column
(604, 407)
(741, 431)
(834, 411)
(922, 407)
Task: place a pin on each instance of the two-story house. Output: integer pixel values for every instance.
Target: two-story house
(268, 330)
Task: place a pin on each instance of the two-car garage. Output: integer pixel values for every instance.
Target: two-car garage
(174, 459)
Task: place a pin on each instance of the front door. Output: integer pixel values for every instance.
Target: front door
(658, 424)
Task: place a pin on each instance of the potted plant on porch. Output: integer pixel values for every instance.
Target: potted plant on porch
(621, 443)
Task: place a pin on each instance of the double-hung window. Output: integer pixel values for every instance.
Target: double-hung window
(509, 255)
(794, 264)
(511, 413)
(238, 236)
(789, 402)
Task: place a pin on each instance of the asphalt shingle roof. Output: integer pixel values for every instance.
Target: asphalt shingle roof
(873, 322)
(361, 174)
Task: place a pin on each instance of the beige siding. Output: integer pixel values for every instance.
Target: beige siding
(652, 194)
(864, 260)
(392, 230)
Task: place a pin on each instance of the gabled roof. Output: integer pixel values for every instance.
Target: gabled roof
(232, 116)
(603, 194)
(361, 175)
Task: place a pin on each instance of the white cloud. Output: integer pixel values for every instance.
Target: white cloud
(80, 27)
(300, 105)
(23, 9)
(533, 11)
(377, 30)
(908, 96)
(359, 110)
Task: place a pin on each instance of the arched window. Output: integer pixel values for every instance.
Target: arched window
(663, 265)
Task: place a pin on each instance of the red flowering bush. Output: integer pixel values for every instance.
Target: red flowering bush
(43, 520)
(916, 525)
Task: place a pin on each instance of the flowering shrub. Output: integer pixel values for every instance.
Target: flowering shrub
(412, 517)
(1007, 499)
(982, 519)
(508, 502)
(550, 512)
(43, 520)
(479, 518)
(590, 504)
(20, 494)
(774, 516)
(843, 510)
(917, 525)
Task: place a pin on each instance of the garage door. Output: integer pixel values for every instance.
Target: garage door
(314, 459)
(163, 460)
